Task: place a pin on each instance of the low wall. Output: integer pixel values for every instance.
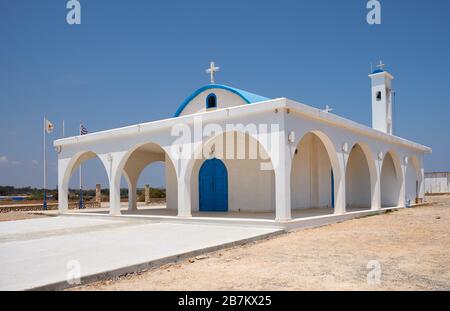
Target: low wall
(155, 201)
(437, 183)
(38, 207)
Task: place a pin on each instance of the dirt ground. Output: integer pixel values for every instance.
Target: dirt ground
(405, 250)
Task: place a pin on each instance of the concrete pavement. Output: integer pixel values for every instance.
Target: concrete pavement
(44, 253)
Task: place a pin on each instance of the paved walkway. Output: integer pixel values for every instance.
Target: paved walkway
(40, 252)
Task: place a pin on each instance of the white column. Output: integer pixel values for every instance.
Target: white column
(421, 179)
(402, 196)
(376, 195)
(282, 194)
(112, 163)
(421, 193)
(114, 196)
(376, 189)
(183, 169)
(339, 190)
(132, 189)
(132, 196)
(184, 197)
(63, 191)
(282, 162)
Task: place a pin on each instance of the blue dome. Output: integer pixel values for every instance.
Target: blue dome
(378, 70)
(248, 97)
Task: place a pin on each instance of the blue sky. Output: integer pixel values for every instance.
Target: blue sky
(135, 61)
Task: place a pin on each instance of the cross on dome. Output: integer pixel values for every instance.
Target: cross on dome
(212, 70)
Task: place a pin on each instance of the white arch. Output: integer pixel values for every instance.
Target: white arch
(132, 173)
(339, 194)
(197, 151)
(370, 199)
(67, 172)
(391, 182)
(198, 156)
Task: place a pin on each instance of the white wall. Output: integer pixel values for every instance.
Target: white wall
(250, 188)
(357, 180)
(411, 186)
(437, 182)
(311, 175)
(171, 185)
(225, 99)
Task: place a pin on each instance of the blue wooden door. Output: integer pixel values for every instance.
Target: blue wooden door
(220, 186)
(213, 186)
(205, 185)
(332, 188)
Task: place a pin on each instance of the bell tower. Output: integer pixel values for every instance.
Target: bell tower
(382, 98)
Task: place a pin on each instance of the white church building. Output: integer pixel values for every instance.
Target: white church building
(230, 152)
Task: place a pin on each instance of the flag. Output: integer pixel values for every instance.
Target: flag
(48, 126)
(83, 130)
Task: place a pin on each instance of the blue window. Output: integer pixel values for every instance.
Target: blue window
(211, 101)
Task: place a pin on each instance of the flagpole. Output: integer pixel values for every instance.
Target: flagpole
(80, 203)
(45, 164)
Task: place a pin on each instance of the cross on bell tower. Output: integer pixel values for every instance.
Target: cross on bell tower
(381, 65)
(212, 70)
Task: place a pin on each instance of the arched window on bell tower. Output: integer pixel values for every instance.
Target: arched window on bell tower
(378, 96)
(211, 101)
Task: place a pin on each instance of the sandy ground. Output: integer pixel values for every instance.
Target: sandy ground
(411, 246)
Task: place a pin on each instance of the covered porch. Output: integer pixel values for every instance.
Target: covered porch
(162, 210)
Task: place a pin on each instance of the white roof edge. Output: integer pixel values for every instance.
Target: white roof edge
(352, 125)
(303, 109)
(159, 125)
(383, 73)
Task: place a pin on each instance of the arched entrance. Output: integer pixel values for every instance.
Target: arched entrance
(250, 175)
(94, 172)
(213, 186)
(390, 181)
(312, 176)
(358, 180)
(161, 198)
